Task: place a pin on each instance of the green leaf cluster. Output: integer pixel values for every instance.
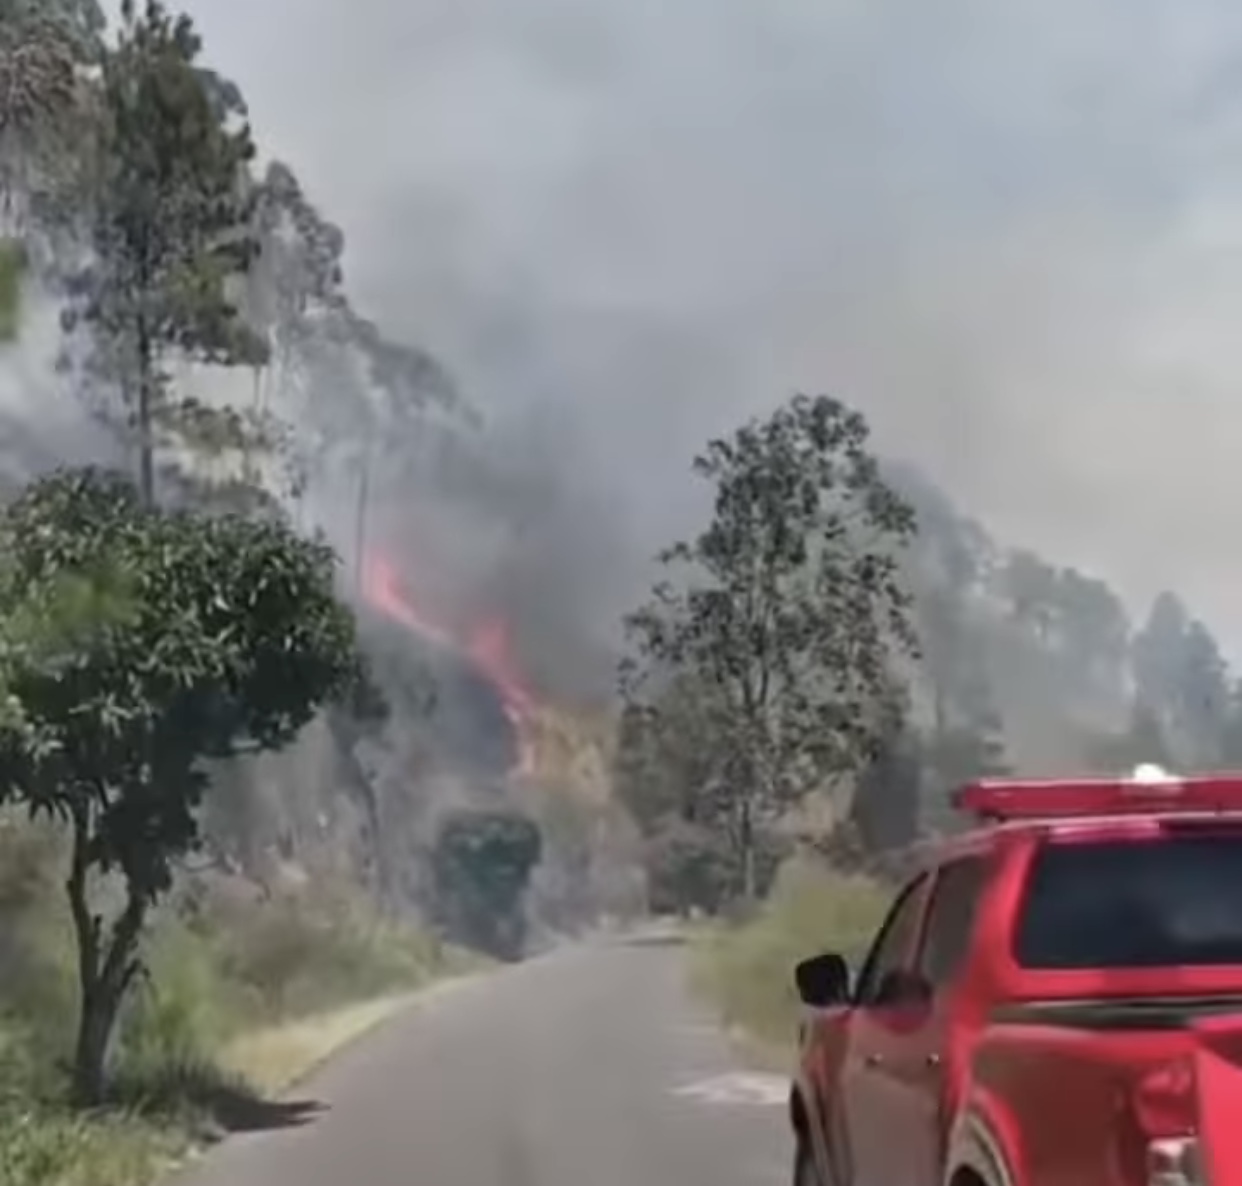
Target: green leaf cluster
(789, 614)
(161, 639)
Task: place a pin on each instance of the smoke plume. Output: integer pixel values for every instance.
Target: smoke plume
(1008, 231)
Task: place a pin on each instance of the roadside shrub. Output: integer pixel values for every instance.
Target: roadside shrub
(37, 965)
(747, 970)
(182, 1009)
(291, 957)
(38, 1147)
(224, 966)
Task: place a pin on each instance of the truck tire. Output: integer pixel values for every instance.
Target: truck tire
(805, 1173)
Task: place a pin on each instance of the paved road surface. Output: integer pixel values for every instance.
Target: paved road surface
(586, 1067)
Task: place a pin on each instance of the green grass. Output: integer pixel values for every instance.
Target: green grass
(53, 1148)
(746, 970)
(243, 997)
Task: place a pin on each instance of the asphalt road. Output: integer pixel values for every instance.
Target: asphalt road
(586, 1067)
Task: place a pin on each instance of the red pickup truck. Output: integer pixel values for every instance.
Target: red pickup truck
(1054, 999)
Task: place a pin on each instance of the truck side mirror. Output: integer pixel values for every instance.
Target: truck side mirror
(823, 980)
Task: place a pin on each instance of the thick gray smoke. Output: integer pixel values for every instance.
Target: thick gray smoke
(42, 424)
(1009, 231)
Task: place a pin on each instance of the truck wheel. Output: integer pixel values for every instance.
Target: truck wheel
(805, 1173)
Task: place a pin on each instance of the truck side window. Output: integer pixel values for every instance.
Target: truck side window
(951, 918)
(891, 949)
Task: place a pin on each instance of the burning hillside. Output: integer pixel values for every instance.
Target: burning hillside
(551, 744)
(482, 645)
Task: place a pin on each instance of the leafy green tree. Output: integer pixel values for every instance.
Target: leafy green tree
(41, 47)
(43, 43)
(951, 551)
(482, 864)
(1203, 695)
(670, 774)
(1181, 675)
(666, 764)
(790, 605)
(885, 808)
(689, 867)
(80, 23)
(225, 638)
(1156, 652)
(1031, 586)
(355, 722)
(970, 748)
(169, 231)
(1095, 633)
(1231, 733)
(357, 396)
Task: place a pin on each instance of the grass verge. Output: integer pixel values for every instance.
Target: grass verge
(164, 1114)
(274, 1059)
(244, 998)
(745, 970)
(44, 1147)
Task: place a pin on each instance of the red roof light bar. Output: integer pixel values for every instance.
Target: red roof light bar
(1150, 793)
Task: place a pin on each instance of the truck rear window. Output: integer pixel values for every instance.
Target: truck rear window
(1173, 900)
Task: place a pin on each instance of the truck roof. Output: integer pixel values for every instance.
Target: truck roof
(1144, 801)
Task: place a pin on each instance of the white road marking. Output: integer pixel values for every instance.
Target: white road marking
(739, 1087)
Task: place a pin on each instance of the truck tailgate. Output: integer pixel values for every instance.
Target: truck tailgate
(1058, 1097)
(1218, 1075)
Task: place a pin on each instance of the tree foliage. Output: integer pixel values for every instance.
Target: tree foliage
(666, 762)
(168, 219)
(182, 639)
(43, 43)
(174, 257)
(789, 606)
(689, 867)
(1183, 680)
(886, 807)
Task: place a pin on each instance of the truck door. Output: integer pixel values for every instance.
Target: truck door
(861, 1132)
(921, 1065)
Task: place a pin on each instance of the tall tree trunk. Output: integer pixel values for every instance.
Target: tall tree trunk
(363, 790)
(746, 845)
(90, 1051)
(145, 415)
(90, 1054)
(105, 971)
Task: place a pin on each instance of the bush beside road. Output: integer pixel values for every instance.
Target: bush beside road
(244, 997)
(746, 970)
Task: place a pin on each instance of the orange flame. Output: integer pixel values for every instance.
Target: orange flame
(487, 646)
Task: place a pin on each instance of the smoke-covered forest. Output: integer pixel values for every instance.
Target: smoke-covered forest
(276, 395)
(277, 736)
(310, 671)
(1013, 663)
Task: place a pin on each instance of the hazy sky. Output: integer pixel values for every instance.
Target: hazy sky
(1010, 231)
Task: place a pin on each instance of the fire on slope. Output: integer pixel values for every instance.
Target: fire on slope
(484, 645)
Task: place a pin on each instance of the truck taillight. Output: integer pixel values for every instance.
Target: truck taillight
(1174, 1161)
(1163, 1101)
